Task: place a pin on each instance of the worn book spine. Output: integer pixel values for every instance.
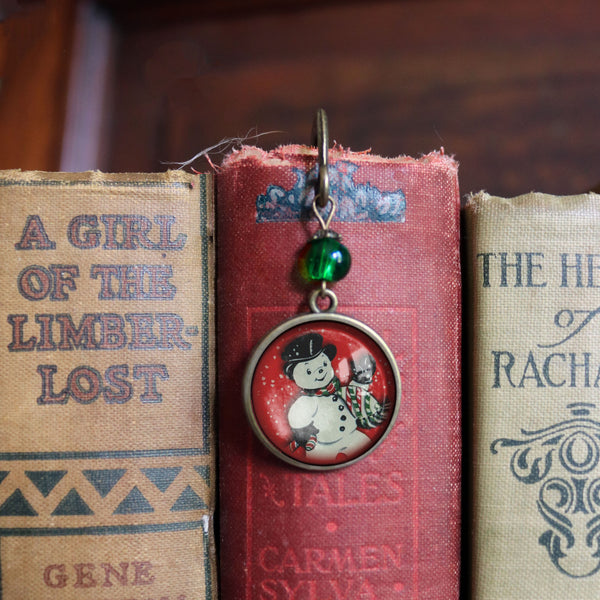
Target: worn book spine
(107, 442)
(534, 271)
(387, 526)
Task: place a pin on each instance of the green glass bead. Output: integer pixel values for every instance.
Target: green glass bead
(324, 259)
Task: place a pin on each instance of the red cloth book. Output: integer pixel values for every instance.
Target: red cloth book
(387, 526)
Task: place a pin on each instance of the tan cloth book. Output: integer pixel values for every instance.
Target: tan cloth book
(533, 265)
(107, 465)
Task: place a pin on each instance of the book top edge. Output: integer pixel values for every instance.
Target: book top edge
(292, 155)
(531, 201)
(170, 176)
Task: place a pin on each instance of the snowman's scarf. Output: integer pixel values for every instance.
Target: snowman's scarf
(364, 406)
(332, 388)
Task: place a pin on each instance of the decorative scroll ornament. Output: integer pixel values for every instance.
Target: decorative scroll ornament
(562, 461)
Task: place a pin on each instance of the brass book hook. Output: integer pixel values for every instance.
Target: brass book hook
(320, 139)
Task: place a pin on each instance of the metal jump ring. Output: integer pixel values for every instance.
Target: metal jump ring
(323, 292)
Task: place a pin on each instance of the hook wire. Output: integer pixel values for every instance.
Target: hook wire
(321, 141)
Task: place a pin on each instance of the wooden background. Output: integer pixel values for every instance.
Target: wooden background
(512, 89)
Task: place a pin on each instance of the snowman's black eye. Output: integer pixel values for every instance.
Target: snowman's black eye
(308, 372)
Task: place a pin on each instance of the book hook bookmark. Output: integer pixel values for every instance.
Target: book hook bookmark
(322, 390)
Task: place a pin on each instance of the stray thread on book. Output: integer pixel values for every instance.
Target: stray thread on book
(221, 147)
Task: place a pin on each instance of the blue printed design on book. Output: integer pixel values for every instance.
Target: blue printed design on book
(356, 202)
(562, 463)
(165, 492)
(72, 504)
(45, 481)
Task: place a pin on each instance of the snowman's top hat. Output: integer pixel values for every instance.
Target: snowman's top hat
(303, 348)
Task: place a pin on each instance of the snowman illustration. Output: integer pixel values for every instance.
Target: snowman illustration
(326, 418)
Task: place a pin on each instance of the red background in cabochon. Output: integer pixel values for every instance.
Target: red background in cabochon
(273, 392)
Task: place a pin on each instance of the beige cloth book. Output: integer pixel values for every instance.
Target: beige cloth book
(107, 464)
(533, 265)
